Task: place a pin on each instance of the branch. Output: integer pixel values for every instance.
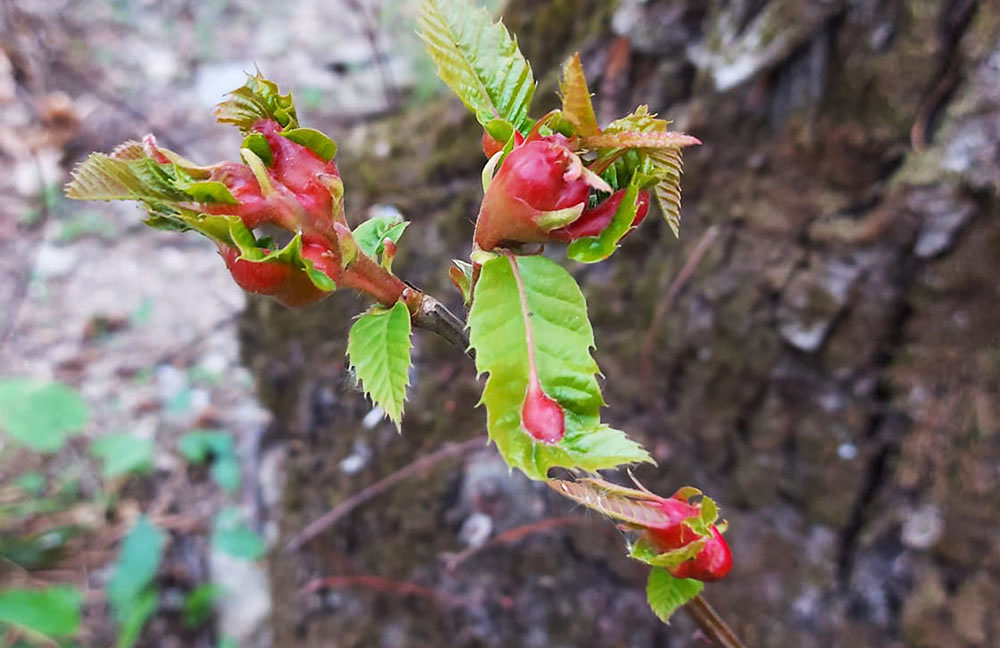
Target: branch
(430, 314)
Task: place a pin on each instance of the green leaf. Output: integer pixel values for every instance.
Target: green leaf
(379, 349)
(228, 642)
(643, 132)
(541, 299)
(371, 234)
(479, 60)
(133, 617)
(231, 535)
(32, 483)
(577, 107)
(136, 566)
(200, 604)
(257, 143)
(52, 611)
(123, 453)
(312, 139)
(667, 594)
(644, 551)
(41, 414)
(103, 177)
(257, 99)
(199, 446)
(591, 249)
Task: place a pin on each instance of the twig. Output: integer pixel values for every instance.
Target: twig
(663, 308)
(424, 463)
(711, 623)
(514, 535)
(433, 316)
(437, 319)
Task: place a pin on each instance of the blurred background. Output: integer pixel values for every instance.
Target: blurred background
(819, 350)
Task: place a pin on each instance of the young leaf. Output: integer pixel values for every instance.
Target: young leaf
(631, 139)
(257, 99)
(200, 604)
(667, 594)
(577, 107)
(52, 611)
(198, 446)
(591, 249)
(312, 139)
(479, 60)
(379, 349)
(630, 132)
(533, 314)
(132, 619)
(371, 234)
(137, 564)
(644, 551)
(617, 502)
(231, 535)
(40, 414)
(123, 453)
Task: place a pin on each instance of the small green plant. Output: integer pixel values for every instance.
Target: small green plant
(559, 179)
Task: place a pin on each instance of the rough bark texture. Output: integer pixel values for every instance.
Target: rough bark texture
(830, 373)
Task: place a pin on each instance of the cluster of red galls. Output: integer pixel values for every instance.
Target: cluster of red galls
(711, 563)
(296, 197)
(541, 176)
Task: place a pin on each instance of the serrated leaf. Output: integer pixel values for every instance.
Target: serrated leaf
(644, 551)
(617, 502)
(371, 234)
(479, 60)
(577, 107)
(136, 567)
(41, 414)
(667, 594)
(562, 338)
(231, 535)
(257, 99)
(122, 454)
(631, 139)
(102, 177)
(666, 160)
(52, 611)
(379, 349)
(312, 139)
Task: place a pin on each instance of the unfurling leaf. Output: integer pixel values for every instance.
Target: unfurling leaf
(577, 107)
(650, 140)
(479, 60)
(371, 234)
(591, 249)
(257, 99)
(630, 132)
(379, 349)
(667, 594)
(617, 502)
(529, 322)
